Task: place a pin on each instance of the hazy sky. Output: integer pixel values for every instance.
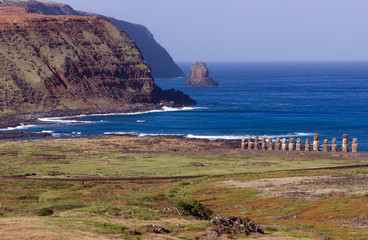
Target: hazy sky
(247, 30)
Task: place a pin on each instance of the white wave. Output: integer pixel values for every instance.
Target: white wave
(20, 127)
(304, 134)
(156, 134)
(62, 120)
(77, 133)
(149, 135)
(235, 137)
(47, 131)
(164, 109)
(141, 134)
(210, 137)
(120, 133)
(141, 121)
(62, 135)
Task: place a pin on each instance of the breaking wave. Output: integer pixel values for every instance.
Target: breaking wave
(20, 127)
(210, 137)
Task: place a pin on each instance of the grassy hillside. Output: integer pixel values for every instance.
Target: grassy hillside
(295, 204)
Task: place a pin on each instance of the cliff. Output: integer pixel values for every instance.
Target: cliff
(199, 76)
(157, 58)
(70, 62)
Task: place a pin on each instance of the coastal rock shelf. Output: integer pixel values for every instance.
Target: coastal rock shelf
(291, 146)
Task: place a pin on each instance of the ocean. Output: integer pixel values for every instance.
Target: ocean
(264, 99)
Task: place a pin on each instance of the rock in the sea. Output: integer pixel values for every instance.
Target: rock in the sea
(199, 77)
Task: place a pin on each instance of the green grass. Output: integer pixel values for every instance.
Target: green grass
(107, 160)
(110, 209)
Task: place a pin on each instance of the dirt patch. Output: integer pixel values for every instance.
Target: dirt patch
(303, 188)
(354, 222)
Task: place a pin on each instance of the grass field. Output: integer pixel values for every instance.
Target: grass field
(296, 204)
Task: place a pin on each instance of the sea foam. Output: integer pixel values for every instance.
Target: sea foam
(20, 127)
(211, 137)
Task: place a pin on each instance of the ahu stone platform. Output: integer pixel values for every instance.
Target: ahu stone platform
(315, 146)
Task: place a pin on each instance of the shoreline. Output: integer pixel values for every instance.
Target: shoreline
(18, 119)
(12, 124)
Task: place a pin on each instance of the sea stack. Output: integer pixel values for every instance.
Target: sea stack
(198, 76)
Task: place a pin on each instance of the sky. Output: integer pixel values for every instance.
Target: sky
(247, 30)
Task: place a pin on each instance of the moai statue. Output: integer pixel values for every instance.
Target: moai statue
(298, 144)
(270, 144)
(345, 143)
(334, 145)
(242, 144)
(277, 144)
(325, 145)
(354, 146)
(263, 143)
(307, 145)
(291, 144)
(284, 144)
(316, 142)
(256, 142)
(250, 143)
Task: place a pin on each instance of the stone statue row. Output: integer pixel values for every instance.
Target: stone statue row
(291, 146)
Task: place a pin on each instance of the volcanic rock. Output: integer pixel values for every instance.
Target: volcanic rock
(71, 62)
(235, 225)
(157, 229)
(8, 135)
(198, 76)
(158, 59)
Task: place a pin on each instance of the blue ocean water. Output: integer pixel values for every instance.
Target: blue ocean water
(264, 99)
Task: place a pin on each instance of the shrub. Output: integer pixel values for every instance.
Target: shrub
(194, 208)
(45, 212)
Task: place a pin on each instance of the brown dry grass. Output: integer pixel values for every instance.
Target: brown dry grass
(302, 204)
(306, 188)
(36, 228)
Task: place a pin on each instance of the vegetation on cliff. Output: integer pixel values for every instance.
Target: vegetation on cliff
(69, 62)
(157, 58)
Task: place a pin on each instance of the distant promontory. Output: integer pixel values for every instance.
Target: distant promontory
(199, 76)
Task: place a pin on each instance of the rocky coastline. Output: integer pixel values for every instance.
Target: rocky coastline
(69, 78)
(31, 118)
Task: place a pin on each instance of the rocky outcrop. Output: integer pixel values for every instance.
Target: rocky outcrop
(70, 62)
(157, 58)
(157, 229)
(198, 76)
(233, 225)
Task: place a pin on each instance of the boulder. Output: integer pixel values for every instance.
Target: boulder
(235, 225)
(157, 229)
(199, 76)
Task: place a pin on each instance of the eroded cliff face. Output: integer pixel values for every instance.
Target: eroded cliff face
(157, 58)
(69, 62)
